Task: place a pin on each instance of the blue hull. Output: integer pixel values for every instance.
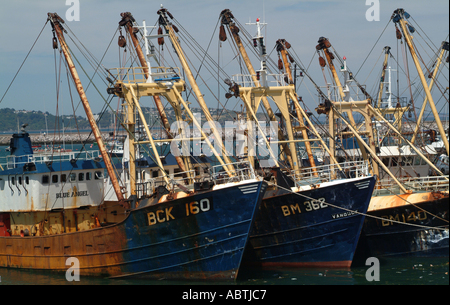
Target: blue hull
(198, 237)
(294, 231)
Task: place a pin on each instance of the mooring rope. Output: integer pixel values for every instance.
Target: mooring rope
(356, 212)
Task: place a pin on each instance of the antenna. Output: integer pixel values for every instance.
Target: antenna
(264, 11)
(259, 40)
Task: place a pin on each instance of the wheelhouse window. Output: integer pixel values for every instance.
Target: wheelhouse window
(417, 160)
(55, 179)
(81, 177)
(98, 175)
(72, 177)
(45, 179)
(88, 176)
(63, 178)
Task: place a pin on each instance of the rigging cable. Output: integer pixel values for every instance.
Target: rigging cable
(364, 214)
(7, 89)
(389, 21)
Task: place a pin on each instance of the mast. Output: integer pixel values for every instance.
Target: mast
(227, 17)
(380, 91)
(58, 29)
(364, 108)
(444, 47)
(282, 46)
(179, 51)
(383, 74)
(427, 160)
(127, 23)
(399, 18)
(397, 111)
(324, 45)
(374, 155)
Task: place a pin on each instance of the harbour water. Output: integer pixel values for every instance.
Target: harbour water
(392, 271)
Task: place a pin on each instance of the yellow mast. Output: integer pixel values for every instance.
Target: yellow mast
(179, 51)
(57, 27)
(132, 90)
(127, 23)
(289, 149)
(282, 46)
(409, 143)
(425, 102)
(400, 13)
(374, 155)
(383, 74)
(324, 45)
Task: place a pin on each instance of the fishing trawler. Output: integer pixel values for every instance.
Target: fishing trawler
(54, 209)
(414, 223)
(412, 219)
(401, 160)
(309, 216)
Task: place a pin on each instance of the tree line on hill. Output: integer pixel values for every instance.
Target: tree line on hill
(12, 120)
(37, 120)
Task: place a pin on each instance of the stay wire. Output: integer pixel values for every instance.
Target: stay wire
(203, 55)
(379, 37)
(359, 213)
(26, 57)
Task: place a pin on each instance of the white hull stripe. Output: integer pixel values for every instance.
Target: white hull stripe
(362, 185)
(248, 189)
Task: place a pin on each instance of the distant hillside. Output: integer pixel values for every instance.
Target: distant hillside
(10, 118)
(36, 120)
(42, 121)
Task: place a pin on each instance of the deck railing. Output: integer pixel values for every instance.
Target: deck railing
(181, 181)
(45, 157)
(418, 184)
(326, 173)
(273, 80)
(137, 74)
(243, 170)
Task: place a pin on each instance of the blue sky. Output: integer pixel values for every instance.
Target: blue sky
(300, 22)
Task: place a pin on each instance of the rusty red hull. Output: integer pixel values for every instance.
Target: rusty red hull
(199, 237)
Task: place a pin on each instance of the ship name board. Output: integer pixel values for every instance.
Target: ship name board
(389, 220)
(179, 211)
(72, 194)
(308, 206)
